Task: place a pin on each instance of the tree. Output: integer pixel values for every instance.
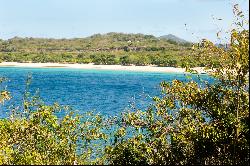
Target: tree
(194, 123)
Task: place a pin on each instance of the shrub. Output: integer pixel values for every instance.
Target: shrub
(195, 123)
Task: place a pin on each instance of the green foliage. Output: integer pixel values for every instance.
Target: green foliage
(192, 123)
(36, 135)
(108, 49)
(4, 94)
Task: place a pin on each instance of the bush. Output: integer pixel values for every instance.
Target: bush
(37, 134)
(194, 123)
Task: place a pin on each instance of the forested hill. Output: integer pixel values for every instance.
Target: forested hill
(98, 42)
(111, 48)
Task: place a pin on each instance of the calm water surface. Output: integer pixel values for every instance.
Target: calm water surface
(108, 92)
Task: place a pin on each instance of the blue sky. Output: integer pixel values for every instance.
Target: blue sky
(82, 18)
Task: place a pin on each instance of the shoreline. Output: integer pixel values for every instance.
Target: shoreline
(101, 67)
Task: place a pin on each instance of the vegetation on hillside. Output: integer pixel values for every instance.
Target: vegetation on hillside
(111, 48)
(189, 124)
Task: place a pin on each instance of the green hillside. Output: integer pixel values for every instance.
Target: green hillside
(111, 48)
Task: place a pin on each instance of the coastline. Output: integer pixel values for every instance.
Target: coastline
(101, 67)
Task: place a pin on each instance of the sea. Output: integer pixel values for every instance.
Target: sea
(104, 91)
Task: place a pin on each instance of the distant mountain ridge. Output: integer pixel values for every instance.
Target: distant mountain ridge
(173, 38)
(96, 43)
(110, 34)
(106, 49)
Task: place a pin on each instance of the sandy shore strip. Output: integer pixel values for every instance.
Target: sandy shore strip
(99, 67)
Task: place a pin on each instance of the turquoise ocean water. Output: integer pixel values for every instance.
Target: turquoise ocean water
(107, 92)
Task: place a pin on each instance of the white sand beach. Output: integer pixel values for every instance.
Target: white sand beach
(100, 67)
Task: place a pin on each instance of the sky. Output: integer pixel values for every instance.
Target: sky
(191, 20)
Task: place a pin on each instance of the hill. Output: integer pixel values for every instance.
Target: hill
(98, 42)
(110, 48)
(173, 38)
